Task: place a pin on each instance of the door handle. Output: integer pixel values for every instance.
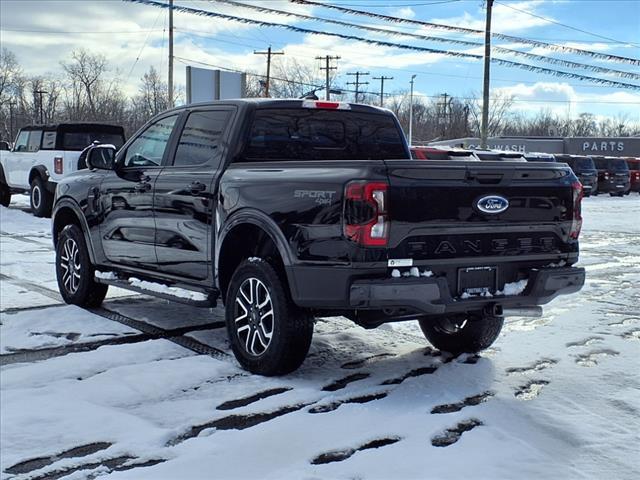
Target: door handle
(142, 187)
(196, 187)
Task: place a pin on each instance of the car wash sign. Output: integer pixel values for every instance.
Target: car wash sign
(615, 146)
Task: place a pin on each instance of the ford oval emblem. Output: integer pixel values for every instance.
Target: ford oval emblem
(492, 204)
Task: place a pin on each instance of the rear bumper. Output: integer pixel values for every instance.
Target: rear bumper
(432, 295)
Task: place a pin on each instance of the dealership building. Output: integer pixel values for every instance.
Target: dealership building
(611, 146)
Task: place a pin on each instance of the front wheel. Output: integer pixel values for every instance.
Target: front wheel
(462, 333)
(5, 195)
(74, 271)
(269, 334)
(40, 198)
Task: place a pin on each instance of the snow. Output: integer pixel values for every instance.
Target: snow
(560, 394)
(513, 288)
(160, 288)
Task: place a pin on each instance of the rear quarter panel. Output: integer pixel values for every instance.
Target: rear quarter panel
(303, 199)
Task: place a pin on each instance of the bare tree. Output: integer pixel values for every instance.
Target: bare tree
(85, 71)
(499, 108)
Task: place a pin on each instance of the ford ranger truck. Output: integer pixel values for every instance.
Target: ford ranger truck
(44, 154)
(289, 210)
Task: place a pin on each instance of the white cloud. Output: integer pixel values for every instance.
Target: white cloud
(405, 12)
(562, 98)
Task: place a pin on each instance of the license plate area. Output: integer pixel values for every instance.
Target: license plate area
(477, 280)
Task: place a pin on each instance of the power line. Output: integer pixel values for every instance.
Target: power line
(508, 51)
(184, 60)
(499, 61)
(564, 24)
(203, 34)
(451, 28)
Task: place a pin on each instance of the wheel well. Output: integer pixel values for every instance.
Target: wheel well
(242, 242)
(65, 216)
(33, 174)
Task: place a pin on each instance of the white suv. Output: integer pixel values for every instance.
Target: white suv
(44, 154)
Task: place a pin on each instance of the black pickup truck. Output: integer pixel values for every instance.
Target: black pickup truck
(288, 210)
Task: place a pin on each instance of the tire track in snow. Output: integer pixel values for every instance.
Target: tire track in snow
(330, 407)
(342, 455)
(467, 402)
(452, 435)
(243, 402)
(343, 382)
(530, 390)
(30, 465)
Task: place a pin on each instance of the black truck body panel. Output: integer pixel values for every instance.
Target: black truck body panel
(169, 223)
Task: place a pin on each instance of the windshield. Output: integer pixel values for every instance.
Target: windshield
(585, 163)
(317, 134)
(618, 164)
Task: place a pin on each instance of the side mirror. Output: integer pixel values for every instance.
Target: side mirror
(4, 145)
(101, 157)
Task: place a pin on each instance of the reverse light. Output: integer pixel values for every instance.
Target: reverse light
(576, 222)
(58, 165)
(366, 219)
(326, 105)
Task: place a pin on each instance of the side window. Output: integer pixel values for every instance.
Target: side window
(200, 140)
(49, 141)
(21, 142)
(148, 149)
(35, 137)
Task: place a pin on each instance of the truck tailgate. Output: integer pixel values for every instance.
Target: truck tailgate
(435, 213)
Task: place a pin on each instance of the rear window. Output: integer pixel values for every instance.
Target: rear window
(611, 164)
(633, 164)
(80, 140)
(315, 134)
(584, 163)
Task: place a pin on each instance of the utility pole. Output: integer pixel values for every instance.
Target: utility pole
(327, 68)
(268, 53)
(382, 79)
(11, 105)
(357, 83)
(484, 126)
(444, 112)
(40, 93)
(170, 81)
(413, 77)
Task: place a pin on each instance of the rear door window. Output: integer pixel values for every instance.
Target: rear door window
(317, 134)
(200, 139)
(49, 141)
(35, 138)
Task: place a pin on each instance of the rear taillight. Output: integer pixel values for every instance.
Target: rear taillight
(576, 222)
(366, 219)
(58, 165)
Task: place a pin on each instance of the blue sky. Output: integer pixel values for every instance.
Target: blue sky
(42, 33)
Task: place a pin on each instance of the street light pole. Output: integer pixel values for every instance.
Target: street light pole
(40, 93)
(413, 77)
(484, 126)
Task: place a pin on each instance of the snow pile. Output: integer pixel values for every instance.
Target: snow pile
(106, 275)
(412, 272)
(173, 291)
(513, 288)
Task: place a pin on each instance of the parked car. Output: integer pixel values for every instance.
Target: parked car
(585, 170)
(442, 153)
(44, 154)
(613, 175)
(499, 156)
(634, 173)
(539, 157)
(290, 209)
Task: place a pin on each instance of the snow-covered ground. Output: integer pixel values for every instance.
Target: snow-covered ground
(83, 396)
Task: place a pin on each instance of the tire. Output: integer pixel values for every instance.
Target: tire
(40, 198)
(74, 271)
(5, 195)
(267, 338)
(463, 333)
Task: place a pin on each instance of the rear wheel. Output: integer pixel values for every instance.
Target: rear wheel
(41, 199)
(74, 271)
(463, 333)
(269, 334)
(5, 195)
